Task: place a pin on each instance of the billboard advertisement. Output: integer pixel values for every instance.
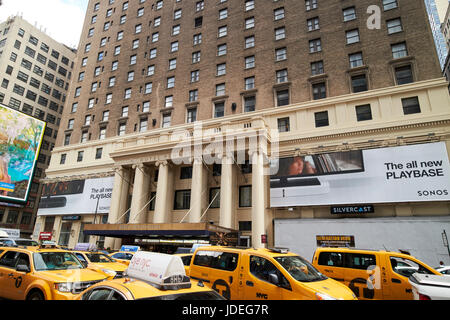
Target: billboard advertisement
(397, 174)
(20, 141)
(76, 197)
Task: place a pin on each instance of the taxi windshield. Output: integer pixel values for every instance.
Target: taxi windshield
(98, 258)
(300, 269)
(44, 261)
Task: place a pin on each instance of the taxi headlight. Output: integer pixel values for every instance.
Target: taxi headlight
(109, 272)
(64, 287)
(323, 296)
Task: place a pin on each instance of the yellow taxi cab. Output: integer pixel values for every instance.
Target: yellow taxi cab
(43, 273)
(125, 254)
(186, 259)
(263, 274)
(151, 276)
(100, 262)
(371, 274)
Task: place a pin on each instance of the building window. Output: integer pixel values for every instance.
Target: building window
(143, 123)
(221, 69)
(67, 139)
(315, 45)
(121, 129)
(124, 112)
(191, 115)
(283, 124)
(62, 160)
(166, 120)
(394, 25)
(281, 76)
(193, 95)
(220, 89)
(170, 82)
(80, 156)
(321, 119)
(197, 39)
(280, 33)
(249, 62)
(98, 153)
(249, 5)
(249, 23)
(349, 14)
(282, 97)
(223, 14)
(359, 83)
(317, 68)
(245, 196)
(222, 32)
(198, 21)
(280, 54)
(196, 57)
(221, 49)
(389, 4)
(168, 101)
(313, 24)
(411, 105)
(352, 36)
(214, 193)
(355, 59)
(219, 109)
(363, 112)
(182, 199)
(249, 103)
(278, 14)
(310, 4)
(399, 50)
(249, 42)
(403, 74)
(319, 91)
(249, 83)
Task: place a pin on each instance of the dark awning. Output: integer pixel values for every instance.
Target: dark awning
(153, 230)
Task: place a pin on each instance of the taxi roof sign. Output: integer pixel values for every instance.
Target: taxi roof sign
(164, 271)
(125, 248)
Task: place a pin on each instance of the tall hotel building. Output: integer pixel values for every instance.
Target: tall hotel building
(330, 87)
(35, 71)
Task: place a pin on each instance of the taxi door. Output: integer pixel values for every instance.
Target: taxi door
(256, 279)
(363, 275)
(400, 288)
(219, 271)
(12, 282)
(19, 280)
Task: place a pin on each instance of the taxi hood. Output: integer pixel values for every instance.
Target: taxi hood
(331, 288)
(72, 275)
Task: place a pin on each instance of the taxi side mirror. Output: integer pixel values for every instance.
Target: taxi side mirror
(23, 268)
(273, 279)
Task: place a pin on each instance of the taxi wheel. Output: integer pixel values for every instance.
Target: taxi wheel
(35, 295)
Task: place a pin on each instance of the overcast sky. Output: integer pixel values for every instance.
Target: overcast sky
(62, 19)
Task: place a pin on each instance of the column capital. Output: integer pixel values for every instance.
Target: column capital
(161, 163)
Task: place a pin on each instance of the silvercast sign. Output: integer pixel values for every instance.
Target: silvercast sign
(359, 209)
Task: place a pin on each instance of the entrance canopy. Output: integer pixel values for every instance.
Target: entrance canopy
(202, 230)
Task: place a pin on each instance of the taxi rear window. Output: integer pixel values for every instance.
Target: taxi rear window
(216, 259)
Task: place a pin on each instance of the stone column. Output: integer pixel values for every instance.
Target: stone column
(138, 214)
(198, 197)
(227, 183)
(118, 203)
(162, 205)
(258, 199)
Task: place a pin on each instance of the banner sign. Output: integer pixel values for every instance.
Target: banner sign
(76, 197)
(398, 174)
(335, 241)
(45, 236)
(20, 142)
